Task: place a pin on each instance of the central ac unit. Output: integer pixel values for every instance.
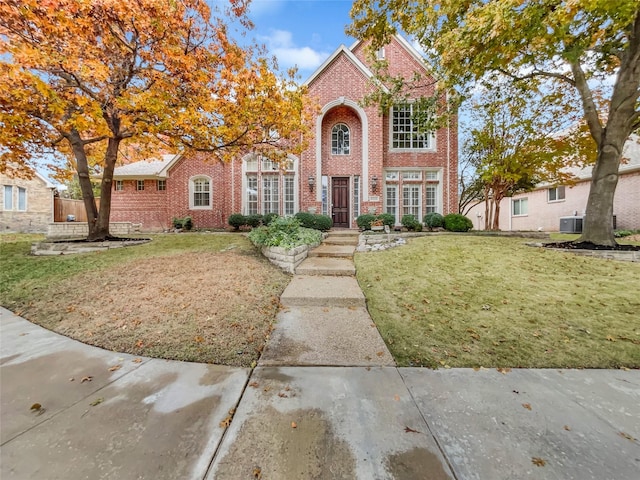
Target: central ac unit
(571, 224)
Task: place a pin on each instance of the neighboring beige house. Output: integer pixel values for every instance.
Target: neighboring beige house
(543, 208)
(26, 206)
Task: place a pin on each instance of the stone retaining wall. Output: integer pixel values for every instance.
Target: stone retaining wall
(287, 260)
(81, 229)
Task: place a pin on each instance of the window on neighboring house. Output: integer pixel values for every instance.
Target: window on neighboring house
(161, 185)
(340, 139)
(380, 54)
(555, 194)
(139, 185)
(200, 193)
(22, 199)
(119, 185)
(269, 187)
(8, 197)
(520, 206)
(406, 132)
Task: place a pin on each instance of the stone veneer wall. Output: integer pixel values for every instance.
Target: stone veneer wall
(288, 260)
(81, 229)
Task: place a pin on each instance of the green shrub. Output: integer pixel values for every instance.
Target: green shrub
(623, 233)
(237, 220)
(364, 221)
(387, 219)
(305, 219)
(254, 220)
(322, 222)
(269, 217)
(454, 222)
(433, 220)
(176, 222)
(284, 232)
(410, 222)
(187, 223)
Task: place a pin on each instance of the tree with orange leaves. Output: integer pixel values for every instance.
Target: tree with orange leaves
(91, 78)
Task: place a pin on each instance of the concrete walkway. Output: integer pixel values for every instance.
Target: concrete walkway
(325, 402)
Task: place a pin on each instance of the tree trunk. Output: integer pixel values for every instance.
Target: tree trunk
(101, 231)
(496, 215)
(84, 179)
(598, 221)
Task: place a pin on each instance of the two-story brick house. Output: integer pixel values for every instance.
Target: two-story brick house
(358, 160)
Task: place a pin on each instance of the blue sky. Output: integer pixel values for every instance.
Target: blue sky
(300, 32)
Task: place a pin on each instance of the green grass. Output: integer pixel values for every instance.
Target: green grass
(466, 301)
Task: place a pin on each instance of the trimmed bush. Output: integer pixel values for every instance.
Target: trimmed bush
(284, 232)
(187, 223)
(254, 220)
(315, 221)
(387, 219)
(237, 220)
(454, 222)
(410, 222)
(364, 221)
(305, 219)
(269, 217)
(433, 220)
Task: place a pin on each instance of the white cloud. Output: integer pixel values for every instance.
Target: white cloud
(258, 8)
(280, 43)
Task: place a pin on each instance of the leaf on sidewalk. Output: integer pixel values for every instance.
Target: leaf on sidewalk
(538, 462)
(410, 430)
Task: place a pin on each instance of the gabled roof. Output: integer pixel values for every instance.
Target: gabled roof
(147, 168)
(411, 50)
(342, 50)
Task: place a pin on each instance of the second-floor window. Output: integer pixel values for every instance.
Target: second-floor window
(407, 133)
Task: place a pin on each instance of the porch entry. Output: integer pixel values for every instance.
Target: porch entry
(340, 202)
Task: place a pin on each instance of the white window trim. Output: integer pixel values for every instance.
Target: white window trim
(4, 203)
(26, 200)
(118, 186)
(432, 141)
(348, 131)
(192, 192)
(513, 200)
(557, 199)
(281, 174)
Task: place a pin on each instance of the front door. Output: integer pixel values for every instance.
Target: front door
(340, 198)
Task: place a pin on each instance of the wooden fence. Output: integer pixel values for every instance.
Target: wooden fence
(63, 207)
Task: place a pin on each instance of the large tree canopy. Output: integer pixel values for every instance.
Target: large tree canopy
(93, 78)
(557, 47)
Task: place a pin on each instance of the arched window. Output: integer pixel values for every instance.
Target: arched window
(340, 139)
(200, 193)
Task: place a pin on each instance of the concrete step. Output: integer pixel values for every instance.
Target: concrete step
(335, 251)
(326, 266)
(341, 240)
(323, 291)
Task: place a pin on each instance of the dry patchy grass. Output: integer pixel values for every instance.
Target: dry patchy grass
(205, 298)
(465, 301)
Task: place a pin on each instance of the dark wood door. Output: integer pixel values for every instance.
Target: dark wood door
(340, 199)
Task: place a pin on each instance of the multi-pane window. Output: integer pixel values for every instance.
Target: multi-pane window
(520, 206)
(412, 175)
(139, 185)
(119, 185)
(431, 199)
(270, 194)
(8, 197)
(22, 199)
(325, 195)
(340, 139)
(391, 200)
(391, 176)
(411, 201)
(356, 196)
(270, 187)
(431, 175)
(161, 185)
(289, 195)
(555, 194)
(201, 192)
(406, 131)
(252, 194)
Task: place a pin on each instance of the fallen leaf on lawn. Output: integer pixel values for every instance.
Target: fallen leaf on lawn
(137, 360)
(410, 430)
(567, 428)
(139, 344)
(627, 436)
(539, 462)
(527, 406)
(199, 339)
(114, 368)
(254, 384)
(266, 389)
(36, 406)
(257, 473)
(294, 425)
(97, 401)
(611, 338)
(503, 371)
(283, 395)
(88, 378)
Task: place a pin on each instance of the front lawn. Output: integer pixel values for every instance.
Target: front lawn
(467, 301)
(200, 297)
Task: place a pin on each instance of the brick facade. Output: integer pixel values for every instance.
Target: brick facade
(363, 179)
(25, 205)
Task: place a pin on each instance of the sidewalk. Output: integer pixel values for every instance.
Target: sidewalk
(325, 402)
